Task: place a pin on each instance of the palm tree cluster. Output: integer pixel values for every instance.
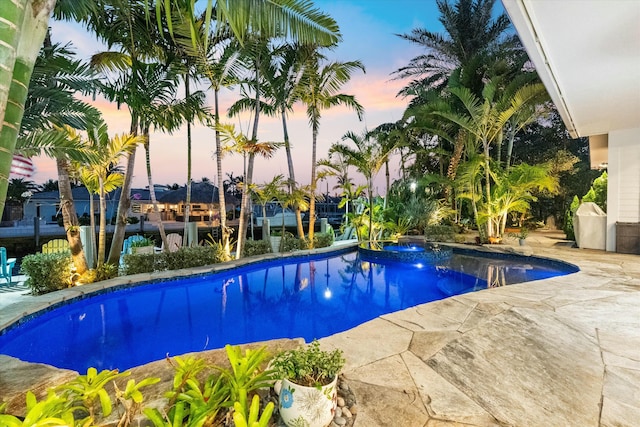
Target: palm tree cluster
(471, 93)
(272, 50)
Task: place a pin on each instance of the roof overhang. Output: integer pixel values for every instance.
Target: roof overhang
(587, 54)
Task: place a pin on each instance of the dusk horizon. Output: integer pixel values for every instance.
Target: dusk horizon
(369, 31)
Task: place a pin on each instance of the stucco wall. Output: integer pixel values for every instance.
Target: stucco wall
(623, 191)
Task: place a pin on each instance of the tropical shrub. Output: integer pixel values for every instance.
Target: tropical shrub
(185, 257)
(290, 243)
(256, 247)
(323, 240)
(439, 233)
(47, 272)
(598, 192)
(194, 401)
(568, 220)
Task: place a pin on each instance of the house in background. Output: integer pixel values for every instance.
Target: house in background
(587, 53)
(204, 204)
(46, 205)
(171, 204)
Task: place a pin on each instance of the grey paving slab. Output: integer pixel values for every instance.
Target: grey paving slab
(526, 368)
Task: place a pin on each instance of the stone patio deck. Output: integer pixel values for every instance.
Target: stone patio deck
(556, 352)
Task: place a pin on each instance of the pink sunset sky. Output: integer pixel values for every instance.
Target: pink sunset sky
(368, 28)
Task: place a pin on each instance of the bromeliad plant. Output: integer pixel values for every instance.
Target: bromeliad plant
(80, 402)
(196, 403)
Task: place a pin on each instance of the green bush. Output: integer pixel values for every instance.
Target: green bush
(323, 240)
(47, 272)
(185, 257)
(256, 247)
(439, 233)
(291, 243)
(568, 219)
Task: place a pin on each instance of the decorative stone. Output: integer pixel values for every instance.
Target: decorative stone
(340, 421)
(353, 409)
(346, 413)
(340, 401)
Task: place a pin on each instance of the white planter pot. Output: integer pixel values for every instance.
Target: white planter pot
(302, 406)
(275, 243)
(142, 250)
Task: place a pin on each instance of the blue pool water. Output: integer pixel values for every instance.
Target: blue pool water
(309, 297)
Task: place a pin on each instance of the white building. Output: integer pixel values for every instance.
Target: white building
(587, 53)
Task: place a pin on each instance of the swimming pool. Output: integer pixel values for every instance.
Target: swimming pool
(309, 296)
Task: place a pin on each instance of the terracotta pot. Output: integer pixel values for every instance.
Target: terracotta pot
(308, 406)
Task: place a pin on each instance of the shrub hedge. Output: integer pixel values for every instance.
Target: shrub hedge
(184, 257)
(256, 247)
(47, 272)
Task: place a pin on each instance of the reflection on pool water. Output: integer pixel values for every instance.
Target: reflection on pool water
(310, 297)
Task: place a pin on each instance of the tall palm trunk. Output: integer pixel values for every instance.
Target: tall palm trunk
(370, 195)
(152, 191)
(187, 210)
(69, 217)
(287, 149)
(510, 137)
(246, 194)
(102, 236)
(292, 176)
(387, 181)
(21, 37)
(312, 201)
(125, 201)
(454, 163)
(222, 205)
(487, 186)
(92, 224)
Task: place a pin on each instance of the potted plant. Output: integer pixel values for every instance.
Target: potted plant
(142, 246)
(308, 392)
(521, 235)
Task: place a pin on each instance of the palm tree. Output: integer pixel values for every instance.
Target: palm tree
(296, 19)
(25, 28)
(471, 33)
(27, 22)
(51, 108)
(159, 107)
(485, 119)
(282, 91)
(368, 157)
(320, 91)
(238, 142)
(109, 151)
(124, 25)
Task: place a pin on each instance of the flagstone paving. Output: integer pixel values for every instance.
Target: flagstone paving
(556, 352)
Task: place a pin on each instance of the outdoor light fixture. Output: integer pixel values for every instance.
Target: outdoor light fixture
(413, 186)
